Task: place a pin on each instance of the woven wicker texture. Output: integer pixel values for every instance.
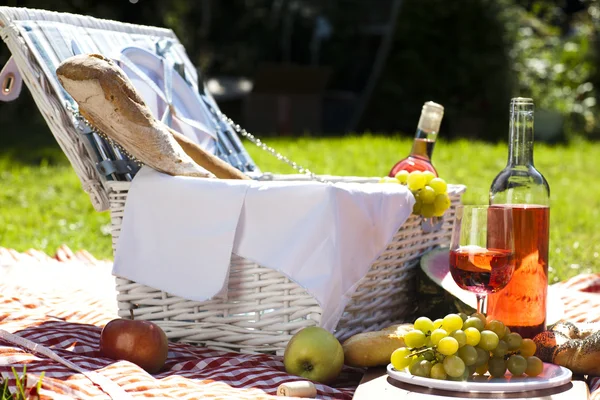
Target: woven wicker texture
(101, 35)
(264, 308)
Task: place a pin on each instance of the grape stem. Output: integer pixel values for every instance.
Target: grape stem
(422, 350)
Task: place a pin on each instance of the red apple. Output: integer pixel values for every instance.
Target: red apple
(140, 342)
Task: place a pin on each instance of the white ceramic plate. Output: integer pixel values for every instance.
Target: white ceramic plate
(552, 376)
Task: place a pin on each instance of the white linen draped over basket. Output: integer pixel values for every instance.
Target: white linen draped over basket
(178, 233)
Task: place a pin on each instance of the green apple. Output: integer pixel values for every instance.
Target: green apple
(314, 353)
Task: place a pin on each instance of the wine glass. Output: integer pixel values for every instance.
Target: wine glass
(482, 250)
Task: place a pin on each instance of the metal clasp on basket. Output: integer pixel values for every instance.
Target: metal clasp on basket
(433, 224)
(10, 81)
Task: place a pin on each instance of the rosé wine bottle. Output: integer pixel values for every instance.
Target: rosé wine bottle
(419, 158)
(521, 305)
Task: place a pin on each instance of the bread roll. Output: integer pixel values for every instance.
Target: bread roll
(108, 100)
(399, 328)
(571, 346)
(370, 349)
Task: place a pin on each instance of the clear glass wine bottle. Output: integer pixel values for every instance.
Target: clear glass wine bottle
(521, 305)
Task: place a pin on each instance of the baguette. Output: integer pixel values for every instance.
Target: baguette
(108, 100)
(370, 349)
(572, 346)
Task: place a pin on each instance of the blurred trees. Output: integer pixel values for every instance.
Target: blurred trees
(469, 55)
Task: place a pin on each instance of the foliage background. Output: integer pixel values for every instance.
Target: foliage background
(469, 55)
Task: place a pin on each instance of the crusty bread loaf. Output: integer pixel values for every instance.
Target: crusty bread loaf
(213, 164)
(108, 100)
(571, 346)
(370, 349)
(400, 328)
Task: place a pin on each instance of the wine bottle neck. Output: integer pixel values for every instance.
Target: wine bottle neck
(520, 152)
(427, 130)
(423, 144)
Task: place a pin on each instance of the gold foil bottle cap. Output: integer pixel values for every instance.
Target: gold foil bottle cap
(431, 117)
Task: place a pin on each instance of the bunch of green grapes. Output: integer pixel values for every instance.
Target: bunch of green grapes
(431, 193)
(458, 346)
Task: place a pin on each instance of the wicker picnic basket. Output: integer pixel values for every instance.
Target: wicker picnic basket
(263, 308)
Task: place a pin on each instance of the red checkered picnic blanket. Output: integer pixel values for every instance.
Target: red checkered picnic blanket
(70, 325)
(71, 328)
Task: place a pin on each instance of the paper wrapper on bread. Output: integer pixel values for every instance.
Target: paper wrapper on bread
(108, 100)
(573, 346)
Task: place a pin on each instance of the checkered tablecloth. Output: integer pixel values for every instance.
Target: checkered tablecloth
(69, 323)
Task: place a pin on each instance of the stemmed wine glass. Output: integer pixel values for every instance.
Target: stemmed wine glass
(482, 250)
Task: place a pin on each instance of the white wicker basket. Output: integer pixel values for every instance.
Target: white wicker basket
(264, 309)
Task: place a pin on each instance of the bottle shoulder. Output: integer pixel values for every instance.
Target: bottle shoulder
(520, 184)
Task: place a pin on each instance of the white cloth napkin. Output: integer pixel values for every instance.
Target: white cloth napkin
(178, 233)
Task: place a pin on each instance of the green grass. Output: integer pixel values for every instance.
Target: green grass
(43, 206)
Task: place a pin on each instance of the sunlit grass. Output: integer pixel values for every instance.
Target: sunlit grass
(44, 206)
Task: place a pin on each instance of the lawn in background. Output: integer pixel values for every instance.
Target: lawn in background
(44, 206)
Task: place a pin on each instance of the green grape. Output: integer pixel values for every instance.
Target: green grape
(497, 367)
(439, 185)
(414, 360)
(428, 176)
(501, 349)
(427, 195)
(527, 348)
(535, 366)
(489, 340)
(482, 369)
(465, 375)
(437, 323)
(454, 366)
(427, 210)
(516, 364)
(452, 322)
(460, 337)
(482, 357)
(428, 342)
(442, 202)
(438, 372)
(481, 317)
(468, 354)
(438, 211)
(415, 181)
(414, 338)
(401, 358)
(401, 176)
(513, 340)
(473, 336)
(463, 316)
(418, 205)
(425, 367)
(420, 368)
(506, 331)
(424, 325)
(416, 368)
(475, 323)
(496, 327)
(437, 335)
(429, 355)
(447, 346)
